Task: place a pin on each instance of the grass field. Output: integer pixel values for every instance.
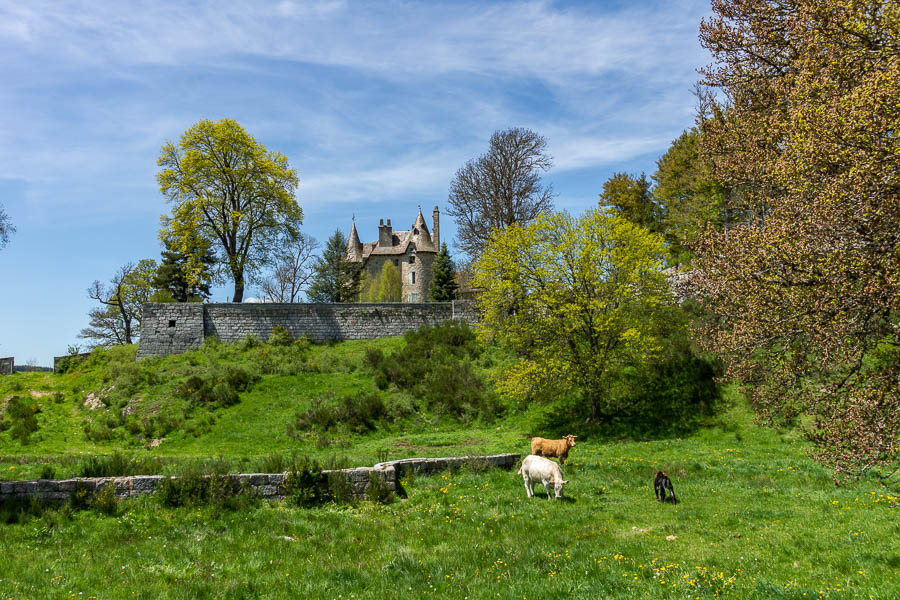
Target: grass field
(757, 519)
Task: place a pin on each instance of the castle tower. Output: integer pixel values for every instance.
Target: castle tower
(435, 231)
(354, 246)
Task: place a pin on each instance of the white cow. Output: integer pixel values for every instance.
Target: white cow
(537, 468)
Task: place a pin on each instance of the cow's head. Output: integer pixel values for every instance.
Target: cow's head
(570, 440)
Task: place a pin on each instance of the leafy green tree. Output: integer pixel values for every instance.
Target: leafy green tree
(335, 278)
(387, 287)
(575, 298)
(443, 277)
(688, 195)
(172, 275)
(632, 199)
(6, 228)
(806, 296)
(500, 187)
(118, 321)
(230, 193)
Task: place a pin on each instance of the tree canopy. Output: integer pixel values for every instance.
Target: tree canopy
(292, 270)
(501, 187)
(118, 319)
(386, 287)
(631, 198)
(806, 295)
(576, 298)
(335, 278)
(689, 197)
(172, 280)
(229, 193)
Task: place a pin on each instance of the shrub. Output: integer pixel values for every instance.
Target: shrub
(378, 490)
(359, 412)
(105, 500)
(437, 365)
(304, 484)
(340, 489)
(47, 472)
(117, 465)
(280, 336)
(20, 419)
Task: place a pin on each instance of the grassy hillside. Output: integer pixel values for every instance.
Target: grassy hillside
(757, 519)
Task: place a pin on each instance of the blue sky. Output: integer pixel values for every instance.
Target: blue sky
(376, 104)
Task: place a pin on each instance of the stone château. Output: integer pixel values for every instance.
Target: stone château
(412, 253)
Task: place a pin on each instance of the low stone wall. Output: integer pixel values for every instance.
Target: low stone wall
(7, 366)
(170, 328)
(269, 486)
(69, 358)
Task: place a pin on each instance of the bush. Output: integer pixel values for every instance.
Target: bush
(378, 490)
(280, 336)
(359, 412)
(117, 465)
(20, 419)
(437, 365)
(304, 484)
(105, 500)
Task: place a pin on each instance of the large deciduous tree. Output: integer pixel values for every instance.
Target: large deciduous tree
(118, 319)
(335, 278)
(576, 298)
(500, 187)
(807, 295)
(228, 193)
(292, 270)
(6, 228)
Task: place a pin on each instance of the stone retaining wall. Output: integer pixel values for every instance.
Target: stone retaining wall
(170, 328)
(268, 486)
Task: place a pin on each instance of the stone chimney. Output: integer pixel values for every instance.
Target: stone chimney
(385, 234)
(436, 230)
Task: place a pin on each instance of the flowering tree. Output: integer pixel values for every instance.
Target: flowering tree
(807, 295)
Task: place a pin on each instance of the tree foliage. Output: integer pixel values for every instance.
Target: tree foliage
(292, 270)
(229, 193)
(500, 187)
(632, 199)
(807, 296)
(335, 278)
(576, 299)
(443, 277)
(386, 287)
(6, 228)
(689, 197)
(118, 319)
(172, 279)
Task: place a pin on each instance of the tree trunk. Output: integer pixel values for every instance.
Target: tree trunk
(238, 287)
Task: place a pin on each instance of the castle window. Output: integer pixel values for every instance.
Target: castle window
(412, 259)
(171, 322)
(396, 262)
(412, 277)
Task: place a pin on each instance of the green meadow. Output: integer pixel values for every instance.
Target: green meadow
(757, 519)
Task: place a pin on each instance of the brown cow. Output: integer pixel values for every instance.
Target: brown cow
(553, 448)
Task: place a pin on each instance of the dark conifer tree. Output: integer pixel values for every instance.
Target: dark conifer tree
(443, 277)
(336, 278)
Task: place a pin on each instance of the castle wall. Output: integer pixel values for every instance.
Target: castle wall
(170, 328)
(7, 366)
